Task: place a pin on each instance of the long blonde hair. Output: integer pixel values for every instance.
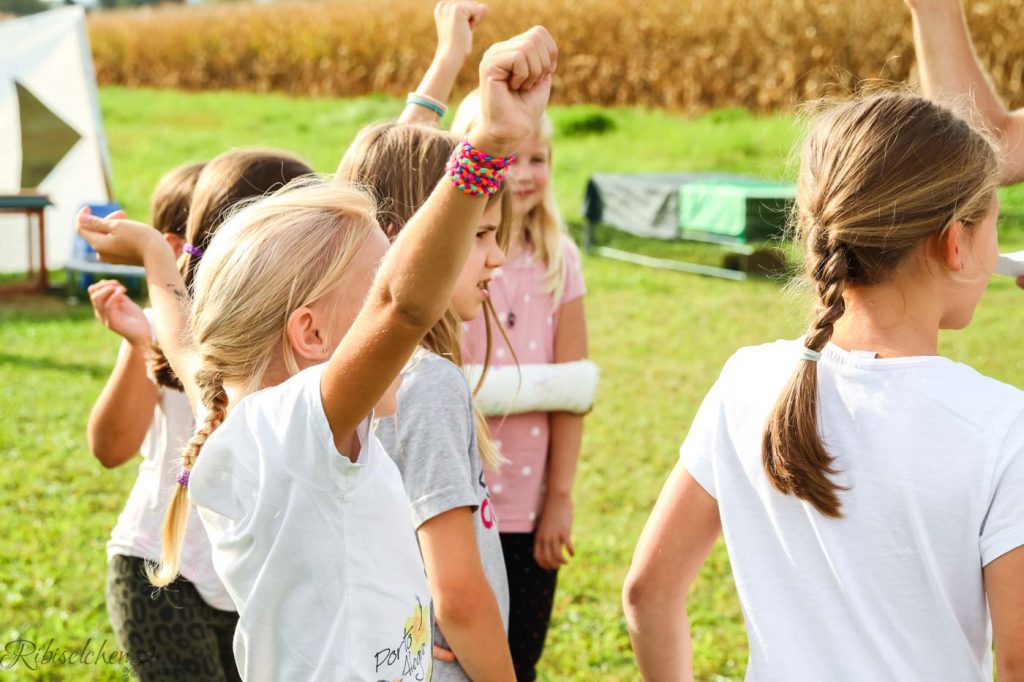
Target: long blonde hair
(270, 258)
(877, 177)
(544, 226)
(401, 165)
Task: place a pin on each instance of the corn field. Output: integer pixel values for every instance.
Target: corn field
(692, 56)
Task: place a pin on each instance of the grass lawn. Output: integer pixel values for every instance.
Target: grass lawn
(659, 337)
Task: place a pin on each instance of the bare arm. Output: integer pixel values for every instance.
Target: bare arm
(127, 241)
(950, 72)
(414, 284)
(123, 412)
(674, 544)
(455, 21)
(1004, 585)
(464, 603)
(554, 531)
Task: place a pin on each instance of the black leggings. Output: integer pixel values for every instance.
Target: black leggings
(169, 634)
(531, 595)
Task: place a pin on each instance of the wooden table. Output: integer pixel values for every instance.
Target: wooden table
(29, 205)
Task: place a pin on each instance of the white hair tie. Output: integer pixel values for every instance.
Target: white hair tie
(811, 355)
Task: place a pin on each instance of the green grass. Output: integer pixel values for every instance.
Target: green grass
(659, 337)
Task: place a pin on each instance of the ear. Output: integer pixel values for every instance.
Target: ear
(176, 243)
(949, 250)
(392, 232)
(305, 337)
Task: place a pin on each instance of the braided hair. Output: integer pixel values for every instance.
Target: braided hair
(878, 177)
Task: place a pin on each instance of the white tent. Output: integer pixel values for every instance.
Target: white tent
(51, 133)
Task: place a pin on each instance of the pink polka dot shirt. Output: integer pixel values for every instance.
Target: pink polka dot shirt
(530, 320)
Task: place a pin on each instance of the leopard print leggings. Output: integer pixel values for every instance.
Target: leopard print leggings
(170, 634)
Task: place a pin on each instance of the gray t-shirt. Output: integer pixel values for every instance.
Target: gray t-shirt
(436, 453)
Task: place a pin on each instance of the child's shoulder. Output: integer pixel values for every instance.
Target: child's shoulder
(570, 251)
(267, 418)
(430, 376)
(777, 356)
(293, 396)
(978, 397)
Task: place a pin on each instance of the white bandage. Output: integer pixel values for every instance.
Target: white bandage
(562, 387)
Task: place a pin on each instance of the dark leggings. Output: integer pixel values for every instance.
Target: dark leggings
(169, 634)
(531, 592)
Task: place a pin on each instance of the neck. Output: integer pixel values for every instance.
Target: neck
(236, 391)
(517, 237)
(276, 373)
(890, 320)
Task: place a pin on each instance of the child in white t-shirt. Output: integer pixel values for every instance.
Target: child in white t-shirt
(139, 414)
(869, 490)
(294, 337)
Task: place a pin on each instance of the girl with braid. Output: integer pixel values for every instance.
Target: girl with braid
(297, 326)
(869, 490)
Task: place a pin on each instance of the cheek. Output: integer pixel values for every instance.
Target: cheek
(466, 294)
(541, 176)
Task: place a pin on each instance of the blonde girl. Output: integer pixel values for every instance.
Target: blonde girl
(538, 295)
(297, 329)
(437, 437)
(868, 488)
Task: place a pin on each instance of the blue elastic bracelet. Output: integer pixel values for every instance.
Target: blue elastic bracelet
(426, 105)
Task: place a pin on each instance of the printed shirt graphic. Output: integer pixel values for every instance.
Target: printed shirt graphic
(435, 448)
(530, 320)
(317, 552)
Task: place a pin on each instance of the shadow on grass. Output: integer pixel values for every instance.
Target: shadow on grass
(29, 363)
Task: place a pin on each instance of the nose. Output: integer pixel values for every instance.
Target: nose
(495, 256)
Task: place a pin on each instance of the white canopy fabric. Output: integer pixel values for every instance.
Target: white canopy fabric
(46, 74)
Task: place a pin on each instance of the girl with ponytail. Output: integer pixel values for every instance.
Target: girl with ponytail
(868, 488)
(437, 436)
(296, 328)
(142, 409)
(143, 413)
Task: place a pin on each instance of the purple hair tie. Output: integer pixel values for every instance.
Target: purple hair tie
(193, 251)
(183, 478)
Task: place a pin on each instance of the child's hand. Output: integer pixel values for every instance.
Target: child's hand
(553, 533)
(117, 240)
(515, 83)
(118, 313)
(455, 21)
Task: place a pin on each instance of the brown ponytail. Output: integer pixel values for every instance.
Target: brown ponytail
(215, 400)
(878, 176)
(793, 426)
(226, 181)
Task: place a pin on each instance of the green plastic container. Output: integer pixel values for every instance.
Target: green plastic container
(734, 211)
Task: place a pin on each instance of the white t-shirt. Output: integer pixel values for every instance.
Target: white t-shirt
(933, 455)
(140, 526)
(318, 553)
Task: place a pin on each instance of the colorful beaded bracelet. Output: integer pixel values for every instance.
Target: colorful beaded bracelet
(476, 173)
